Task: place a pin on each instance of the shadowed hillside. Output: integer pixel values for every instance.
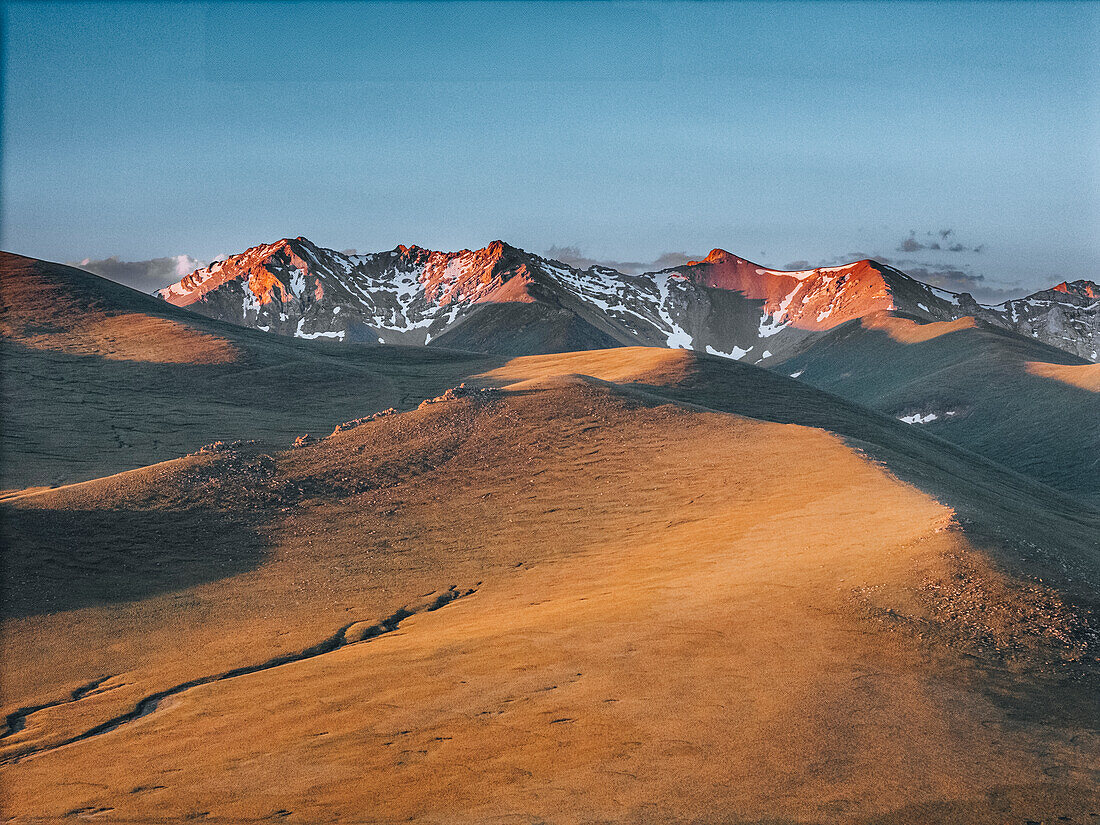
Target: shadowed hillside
(99, 378)
(1021, 403)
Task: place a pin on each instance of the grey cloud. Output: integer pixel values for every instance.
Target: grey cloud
(570, 255)
(573, 256)
(910, 244)
(144, 276)
(913, 244)
(840, 260)
(670, 259)
(955, 279)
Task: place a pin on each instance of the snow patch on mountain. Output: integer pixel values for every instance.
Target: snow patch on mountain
(723, 304)
(736, 353)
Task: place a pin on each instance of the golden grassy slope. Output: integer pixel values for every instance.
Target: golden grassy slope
(909, 331)
(1085, 376)
(48, 307)
(98, 378)
(677, 614)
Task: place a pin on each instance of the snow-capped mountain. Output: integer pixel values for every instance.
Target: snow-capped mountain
(1066, 316)
(503, 299)
(293, 287)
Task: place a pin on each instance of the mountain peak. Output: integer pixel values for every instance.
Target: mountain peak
(289, 243)
(1082, 288)
(416, 295)
(718, 256)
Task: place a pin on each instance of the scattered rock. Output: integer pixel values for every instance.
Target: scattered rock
(222, 447)
(461, 391)
(355, 422)
(974, 607)
(304, 441)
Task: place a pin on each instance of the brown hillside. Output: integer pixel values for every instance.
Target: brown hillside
(571, 600)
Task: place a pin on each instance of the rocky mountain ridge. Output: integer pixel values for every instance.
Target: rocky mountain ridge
(503, 299)
(1066, 316)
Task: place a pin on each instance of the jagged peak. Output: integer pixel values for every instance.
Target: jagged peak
(495, 248)
(282, 243)
(1082, 288)
(292, 245)
(500, 249)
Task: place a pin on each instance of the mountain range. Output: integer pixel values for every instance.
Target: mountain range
(250, 577)
(502, 299)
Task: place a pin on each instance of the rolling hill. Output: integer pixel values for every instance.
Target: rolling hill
(99, 378)
(625, 585)
(629, 584)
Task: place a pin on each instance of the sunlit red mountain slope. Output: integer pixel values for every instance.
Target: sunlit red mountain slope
(503, 299)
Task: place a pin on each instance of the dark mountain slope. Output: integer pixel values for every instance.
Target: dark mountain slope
(1009, 398)
(98, 378)
(723, 304)
(1066, 316)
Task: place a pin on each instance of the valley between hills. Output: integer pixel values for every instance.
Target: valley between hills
(719, 544)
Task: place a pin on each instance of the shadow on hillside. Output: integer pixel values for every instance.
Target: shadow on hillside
(56, 560)
(994, 504)
(1033, 424)
(73, 418)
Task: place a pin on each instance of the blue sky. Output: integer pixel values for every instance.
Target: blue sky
(781, 131)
